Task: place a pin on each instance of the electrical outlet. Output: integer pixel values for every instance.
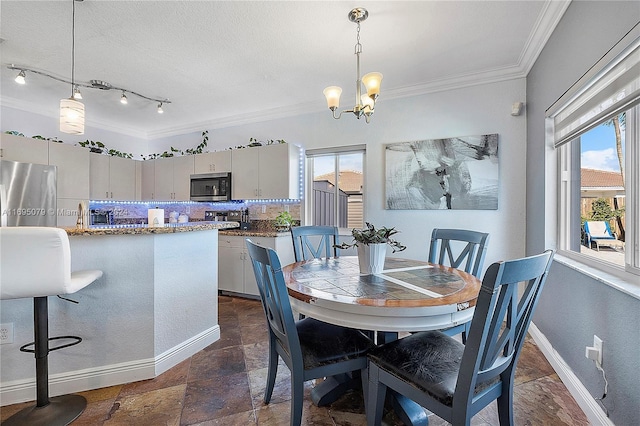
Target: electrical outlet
(286, 208)
(595, 352)
(6, 333)
(264, 208)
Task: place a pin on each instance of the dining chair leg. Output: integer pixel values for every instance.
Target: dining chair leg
(364, 376)
(375, 395)
(272, 370)
(505, 405)
(297, 398)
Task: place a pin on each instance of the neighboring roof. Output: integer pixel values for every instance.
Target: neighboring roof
(350, 180)
(592, 178)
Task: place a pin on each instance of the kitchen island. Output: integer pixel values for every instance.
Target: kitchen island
(155, 306)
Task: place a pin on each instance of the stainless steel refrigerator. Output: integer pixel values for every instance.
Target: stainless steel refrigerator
(27, 194)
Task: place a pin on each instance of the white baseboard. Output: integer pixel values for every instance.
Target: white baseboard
(109, 375)
(585, 400)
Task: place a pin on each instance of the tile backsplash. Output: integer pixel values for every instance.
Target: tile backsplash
(260, 213)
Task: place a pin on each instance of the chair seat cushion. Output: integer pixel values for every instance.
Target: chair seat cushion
(430, 359)
(323, 343)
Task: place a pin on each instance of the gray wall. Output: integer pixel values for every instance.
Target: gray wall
(574, 306)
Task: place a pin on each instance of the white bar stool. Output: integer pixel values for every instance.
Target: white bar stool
(36, 262)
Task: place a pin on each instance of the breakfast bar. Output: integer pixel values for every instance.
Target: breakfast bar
(155, 305)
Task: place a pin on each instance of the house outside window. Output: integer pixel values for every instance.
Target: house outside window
(335, 184)
(594, 128)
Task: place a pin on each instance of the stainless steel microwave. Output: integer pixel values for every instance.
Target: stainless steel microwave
(211, 187)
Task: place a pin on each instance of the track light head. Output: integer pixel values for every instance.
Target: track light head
(160, 110)
(20, 78)
(123, 99)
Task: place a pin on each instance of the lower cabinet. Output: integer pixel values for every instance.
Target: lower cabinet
(235, 272)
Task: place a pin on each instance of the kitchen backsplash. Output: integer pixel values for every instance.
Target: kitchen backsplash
(261, 215)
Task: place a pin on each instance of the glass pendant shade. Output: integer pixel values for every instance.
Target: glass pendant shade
(372, 82)
(367, 103)
(71, 116)
(332, 93)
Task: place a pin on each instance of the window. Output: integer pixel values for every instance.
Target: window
(335, 184)
(595, 130)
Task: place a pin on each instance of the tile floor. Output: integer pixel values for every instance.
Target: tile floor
(224, 384)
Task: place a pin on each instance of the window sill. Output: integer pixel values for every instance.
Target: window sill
(627, 282)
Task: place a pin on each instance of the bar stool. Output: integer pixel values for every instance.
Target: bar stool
(36, 262)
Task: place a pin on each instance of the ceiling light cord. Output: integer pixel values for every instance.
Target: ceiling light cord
(73, 46)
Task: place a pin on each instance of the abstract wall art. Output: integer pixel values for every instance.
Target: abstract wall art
(459, 173)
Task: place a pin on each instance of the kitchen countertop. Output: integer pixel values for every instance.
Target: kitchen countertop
(254, 233)
(146, 230)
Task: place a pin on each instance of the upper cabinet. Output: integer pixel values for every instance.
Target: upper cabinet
(148, 179)
(24, 150)
(211, 162)
(172, 178)
(73, 169)
(265, 172)
(112, 178)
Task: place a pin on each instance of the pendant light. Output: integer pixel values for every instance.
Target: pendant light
(72, 110)
(365, 103)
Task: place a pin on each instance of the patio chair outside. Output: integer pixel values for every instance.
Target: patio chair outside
(599, 232)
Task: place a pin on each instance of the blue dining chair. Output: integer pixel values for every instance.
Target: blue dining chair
(470, 248)
(310, 242)
(310, 348)
(456, 381)
(471, 251)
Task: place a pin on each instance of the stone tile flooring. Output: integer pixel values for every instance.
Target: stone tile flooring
(224, 384)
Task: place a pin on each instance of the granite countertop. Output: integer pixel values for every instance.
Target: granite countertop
(146, 230)
(254, 233)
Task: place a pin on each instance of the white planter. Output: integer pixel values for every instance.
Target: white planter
(371, 258)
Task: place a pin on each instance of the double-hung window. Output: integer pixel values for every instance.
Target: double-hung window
(595, 129)
(335, 181)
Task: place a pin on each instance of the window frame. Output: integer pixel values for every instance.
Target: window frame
(561, 135)
(310, 154)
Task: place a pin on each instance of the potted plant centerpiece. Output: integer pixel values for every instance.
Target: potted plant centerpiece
(372, 247)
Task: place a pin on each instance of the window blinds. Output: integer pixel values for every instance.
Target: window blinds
(608, 88)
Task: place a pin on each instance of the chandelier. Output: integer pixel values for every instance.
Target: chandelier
(365, 103)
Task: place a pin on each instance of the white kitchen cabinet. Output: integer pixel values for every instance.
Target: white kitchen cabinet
(112, 178)
(211, 162)
(235, 272)
(24, 150)
(73, 170)
(172, 178)
(148, 180)
(266, 172)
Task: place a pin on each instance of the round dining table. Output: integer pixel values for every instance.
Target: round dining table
(409, 295)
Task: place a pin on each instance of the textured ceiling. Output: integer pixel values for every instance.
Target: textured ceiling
(225, 63)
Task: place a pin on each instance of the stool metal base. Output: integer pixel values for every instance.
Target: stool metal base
(60, 411)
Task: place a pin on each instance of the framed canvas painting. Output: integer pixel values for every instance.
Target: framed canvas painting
(458, 173)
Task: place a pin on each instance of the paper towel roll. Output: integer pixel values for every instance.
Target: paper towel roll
(156, 218)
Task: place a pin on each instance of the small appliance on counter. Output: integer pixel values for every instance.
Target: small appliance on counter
(240, 216)
(100, 217)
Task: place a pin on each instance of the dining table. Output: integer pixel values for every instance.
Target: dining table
(407, 296)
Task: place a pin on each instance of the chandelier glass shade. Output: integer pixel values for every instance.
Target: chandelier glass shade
(365, 103)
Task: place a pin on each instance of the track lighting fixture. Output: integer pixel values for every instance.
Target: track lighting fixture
(71, 110)
(20, 77)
